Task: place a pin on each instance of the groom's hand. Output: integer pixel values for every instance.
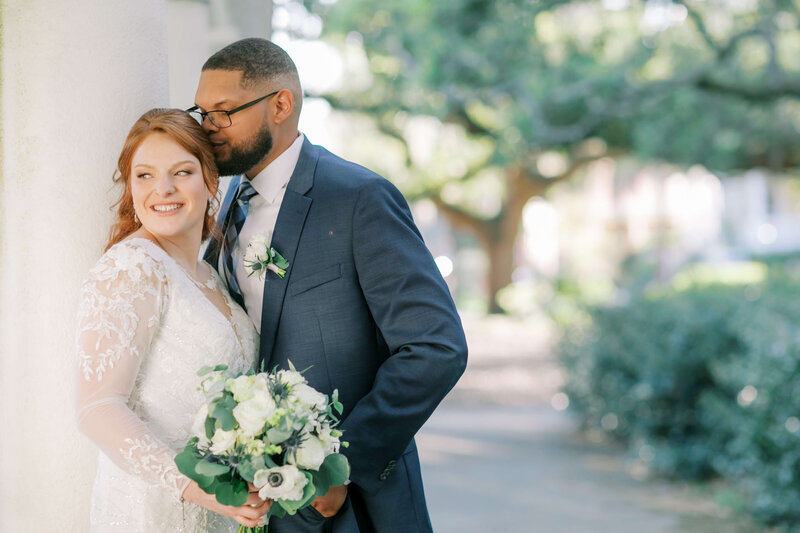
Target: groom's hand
(330, 504)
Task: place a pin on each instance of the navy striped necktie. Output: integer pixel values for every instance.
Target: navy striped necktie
(238, 215)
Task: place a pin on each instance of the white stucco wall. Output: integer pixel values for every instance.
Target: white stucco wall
(188, 48)
(75, 76)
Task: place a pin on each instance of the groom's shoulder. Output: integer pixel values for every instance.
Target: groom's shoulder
(337, 172)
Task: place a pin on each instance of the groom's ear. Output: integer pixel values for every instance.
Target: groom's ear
(284, 105)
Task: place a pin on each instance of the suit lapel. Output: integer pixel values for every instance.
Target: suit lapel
(285, 238)
(211, 255)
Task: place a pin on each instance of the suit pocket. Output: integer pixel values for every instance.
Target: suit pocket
(311, 514)
(316, 279)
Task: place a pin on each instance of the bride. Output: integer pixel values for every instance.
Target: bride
(151, 315)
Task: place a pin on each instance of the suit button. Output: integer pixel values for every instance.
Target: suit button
(391, 464)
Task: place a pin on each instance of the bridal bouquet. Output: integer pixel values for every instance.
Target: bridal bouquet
(270, 429)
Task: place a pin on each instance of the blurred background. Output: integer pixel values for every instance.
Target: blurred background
(609, 188)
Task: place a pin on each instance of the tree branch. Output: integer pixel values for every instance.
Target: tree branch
(701, 26)
(751, 93)
(460, 218)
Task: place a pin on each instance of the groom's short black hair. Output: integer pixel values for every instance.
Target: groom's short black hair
(258, 59)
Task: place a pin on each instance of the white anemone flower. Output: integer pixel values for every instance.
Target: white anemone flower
(280, 483)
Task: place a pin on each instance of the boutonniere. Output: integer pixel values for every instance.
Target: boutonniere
(260, 257)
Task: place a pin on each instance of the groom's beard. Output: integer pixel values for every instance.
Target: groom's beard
(243, 158)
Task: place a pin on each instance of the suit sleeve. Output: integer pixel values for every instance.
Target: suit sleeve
(413, 310)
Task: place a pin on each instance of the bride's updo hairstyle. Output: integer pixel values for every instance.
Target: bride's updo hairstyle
(186, 132)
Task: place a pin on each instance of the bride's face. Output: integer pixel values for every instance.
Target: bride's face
(169, 194)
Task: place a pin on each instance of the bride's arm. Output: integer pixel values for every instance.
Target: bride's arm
(121, 306)
(122, 302)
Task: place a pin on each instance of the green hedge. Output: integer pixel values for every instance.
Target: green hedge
(700, 383)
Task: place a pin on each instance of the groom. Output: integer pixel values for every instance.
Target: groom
(362, 304)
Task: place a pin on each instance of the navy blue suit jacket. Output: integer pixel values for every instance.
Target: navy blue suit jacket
(365, 307)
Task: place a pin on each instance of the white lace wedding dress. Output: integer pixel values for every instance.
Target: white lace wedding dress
(145, 329)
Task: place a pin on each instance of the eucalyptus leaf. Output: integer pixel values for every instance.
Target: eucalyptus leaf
(187, 460)
(234, 492)
(207, 483)
(321, 481)
(210, 427)
(278, 435)
(248, 467)
(277, 510)
(208, 369)
(336, 468)
(222, 410)
(210, 469)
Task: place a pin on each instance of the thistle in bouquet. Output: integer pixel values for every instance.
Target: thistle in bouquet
(270, 429)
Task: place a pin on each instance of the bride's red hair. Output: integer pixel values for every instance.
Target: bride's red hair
(185, 131)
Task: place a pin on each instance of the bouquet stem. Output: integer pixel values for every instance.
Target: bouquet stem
(259, 529)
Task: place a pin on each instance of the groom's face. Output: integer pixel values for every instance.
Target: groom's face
(244, 144)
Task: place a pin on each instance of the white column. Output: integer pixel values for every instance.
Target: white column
(187, 43)
(75, 76)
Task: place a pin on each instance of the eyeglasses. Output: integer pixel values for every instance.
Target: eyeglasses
(219, 118)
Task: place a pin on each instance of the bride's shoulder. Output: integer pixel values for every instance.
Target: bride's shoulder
(137, 257)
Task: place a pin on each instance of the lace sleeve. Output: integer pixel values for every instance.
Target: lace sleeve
(121, 305)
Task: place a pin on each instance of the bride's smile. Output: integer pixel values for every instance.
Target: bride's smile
(166, 209)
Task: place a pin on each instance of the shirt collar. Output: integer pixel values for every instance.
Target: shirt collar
(275, 176)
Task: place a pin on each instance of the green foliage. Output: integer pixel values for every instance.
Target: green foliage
(492, 103)
(222, 410)
(535, 76)
(333, 472)
(699, 383)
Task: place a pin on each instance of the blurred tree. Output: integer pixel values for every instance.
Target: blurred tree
(497, 101)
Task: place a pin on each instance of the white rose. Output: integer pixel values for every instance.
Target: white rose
(280, 483)
(257, 247)
(290, 378)
(199, 426)
(222, 442)
(310, 454)
(252, 414)
(308, 396)
(242, 387)
(254, 255)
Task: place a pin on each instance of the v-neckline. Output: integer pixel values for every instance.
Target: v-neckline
(225, 298)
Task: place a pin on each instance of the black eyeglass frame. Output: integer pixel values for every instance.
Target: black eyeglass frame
(204, 114)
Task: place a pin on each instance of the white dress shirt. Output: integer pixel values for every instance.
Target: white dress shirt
(262, 214)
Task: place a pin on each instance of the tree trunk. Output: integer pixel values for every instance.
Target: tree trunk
(500, 251)
(498, 235)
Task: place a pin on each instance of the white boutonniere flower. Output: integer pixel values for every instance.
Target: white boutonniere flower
(260, 256)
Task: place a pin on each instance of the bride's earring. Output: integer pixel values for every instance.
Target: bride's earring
(135, 218)
(212, 206)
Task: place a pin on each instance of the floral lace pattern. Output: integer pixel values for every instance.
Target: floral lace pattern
(112, 290)
(145, 456)
(144, 331)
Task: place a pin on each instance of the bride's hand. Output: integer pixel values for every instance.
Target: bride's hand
(248, 515)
